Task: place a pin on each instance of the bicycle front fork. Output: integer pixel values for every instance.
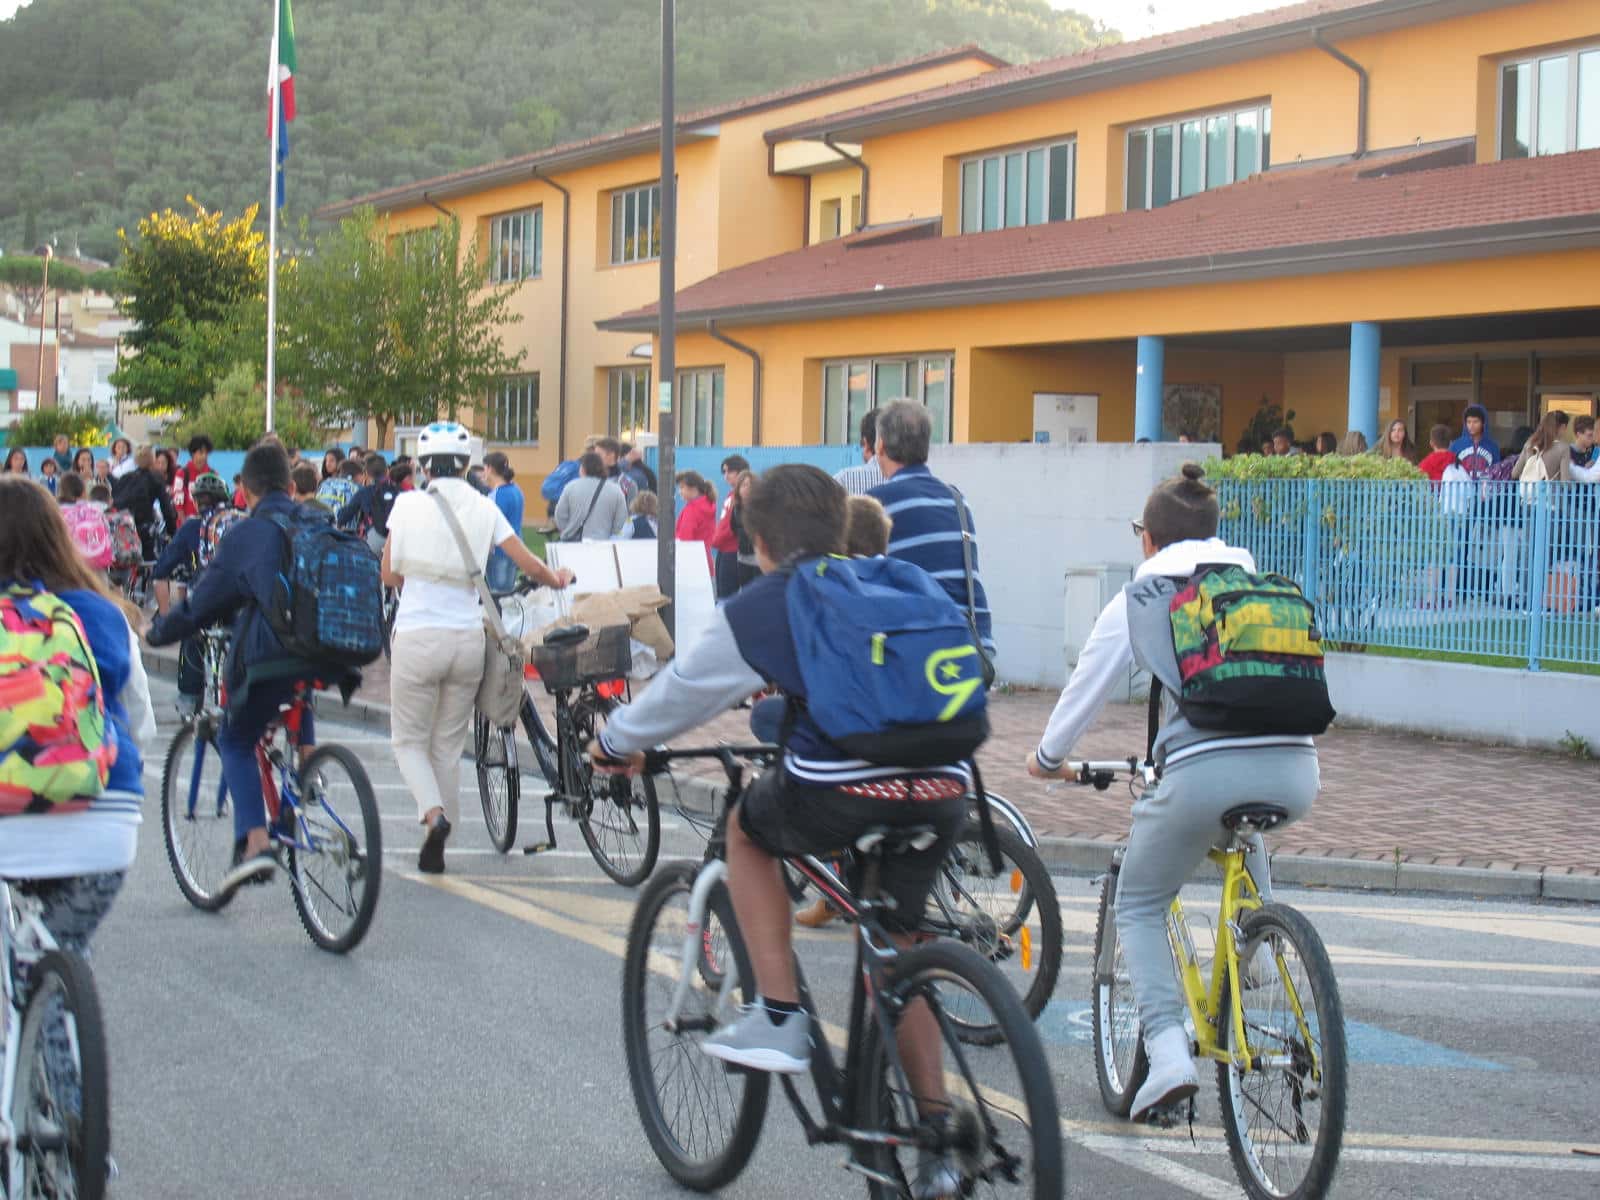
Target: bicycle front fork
(709, 876)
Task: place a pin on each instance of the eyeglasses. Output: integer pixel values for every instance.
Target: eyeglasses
(1138, 529)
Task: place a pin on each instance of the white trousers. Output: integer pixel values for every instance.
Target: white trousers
(433, 682)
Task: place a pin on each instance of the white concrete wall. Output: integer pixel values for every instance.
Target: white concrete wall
(1482, 704)
(1038, 510)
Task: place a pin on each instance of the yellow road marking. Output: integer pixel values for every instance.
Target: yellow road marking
(616, 946)
(1569, 933)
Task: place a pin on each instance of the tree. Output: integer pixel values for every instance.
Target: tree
(235, 413)
(391, 330)
(185, 282)
(25, 276)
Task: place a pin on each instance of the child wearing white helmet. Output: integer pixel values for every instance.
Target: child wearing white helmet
(437, 659)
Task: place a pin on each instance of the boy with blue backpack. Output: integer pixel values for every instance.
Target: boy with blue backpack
(886, 707)
(261, 578)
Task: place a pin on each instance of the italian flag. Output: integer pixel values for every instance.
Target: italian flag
(280, 89)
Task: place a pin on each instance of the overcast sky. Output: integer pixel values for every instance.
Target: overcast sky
(1135, 18)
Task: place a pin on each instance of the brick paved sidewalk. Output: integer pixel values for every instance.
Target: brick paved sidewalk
(1432, 801)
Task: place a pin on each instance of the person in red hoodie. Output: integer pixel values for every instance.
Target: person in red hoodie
(1433, 465)
(698, 520)
(199, 464)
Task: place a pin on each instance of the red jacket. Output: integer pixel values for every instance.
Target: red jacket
(182, 500)
(1434, 464)
(725, 540)
(697, 523)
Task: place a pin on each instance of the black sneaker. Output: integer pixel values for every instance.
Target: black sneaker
(254, 869)
(430, 859)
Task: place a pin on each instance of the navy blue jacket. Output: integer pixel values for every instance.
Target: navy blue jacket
(182, 552)
(238, 582)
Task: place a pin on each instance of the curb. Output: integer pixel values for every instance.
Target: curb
(1090, 856)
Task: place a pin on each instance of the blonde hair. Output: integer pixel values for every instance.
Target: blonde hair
(866, 527)
(645, 504)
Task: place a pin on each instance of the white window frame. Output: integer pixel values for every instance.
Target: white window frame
(845, 436)
(687, 398)
(1000, 156)
(1535, 62)
(625, 252)
(517, 227)
(511, 412)
(639, 399)
(1263, 112)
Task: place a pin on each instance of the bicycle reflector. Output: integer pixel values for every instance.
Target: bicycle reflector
(611, 689)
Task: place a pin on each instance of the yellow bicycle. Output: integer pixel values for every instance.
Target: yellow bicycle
(1269, 1016)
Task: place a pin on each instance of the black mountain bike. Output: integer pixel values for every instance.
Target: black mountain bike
(991, 1118)
(620, 818)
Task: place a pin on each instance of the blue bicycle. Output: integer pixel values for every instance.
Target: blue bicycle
(321, 809)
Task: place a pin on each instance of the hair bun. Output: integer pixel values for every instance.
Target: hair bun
(1193, 472)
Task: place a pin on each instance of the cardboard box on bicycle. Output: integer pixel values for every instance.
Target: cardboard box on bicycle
(636, 608)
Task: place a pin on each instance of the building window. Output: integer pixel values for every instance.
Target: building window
(699, 405)
(1550, 104)
(513, 411)
(636, 224)
(849, 389)
(831, 218)
(630, 402)
(1179, 158)
(1029, 186)
(516, 246)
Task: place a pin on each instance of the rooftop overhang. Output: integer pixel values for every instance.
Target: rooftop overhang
(1458, 245)
(807, 157)
(1120, 69)
(554, 162)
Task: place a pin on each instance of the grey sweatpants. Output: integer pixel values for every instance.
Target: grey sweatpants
(1174, 823)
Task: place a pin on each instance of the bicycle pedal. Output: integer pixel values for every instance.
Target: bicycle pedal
(538, 847)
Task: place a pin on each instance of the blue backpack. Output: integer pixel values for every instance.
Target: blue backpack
(328, 602)
(555, 482)
(891, 672)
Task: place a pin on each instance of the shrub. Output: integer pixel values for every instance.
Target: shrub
(1308, 466)
(83, 424)
(234, 416)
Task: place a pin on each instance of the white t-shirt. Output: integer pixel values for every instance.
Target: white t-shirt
(437, 604)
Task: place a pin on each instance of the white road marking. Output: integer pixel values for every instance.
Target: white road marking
(1476, 1161)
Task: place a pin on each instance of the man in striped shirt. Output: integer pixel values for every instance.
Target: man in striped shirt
(927, 527)
(858, 481)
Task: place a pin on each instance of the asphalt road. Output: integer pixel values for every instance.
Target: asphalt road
(472, 1045)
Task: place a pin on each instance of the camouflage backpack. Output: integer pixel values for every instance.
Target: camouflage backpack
(216, 523)
(56, 749)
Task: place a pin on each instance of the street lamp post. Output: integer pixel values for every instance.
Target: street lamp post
(45, 253)
(666, 361)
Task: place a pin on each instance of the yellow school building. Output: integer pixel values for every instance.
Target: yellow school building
(1354, 209)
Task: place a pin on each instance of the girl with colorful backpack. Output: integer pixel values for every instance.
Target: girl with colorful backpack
(73, 731)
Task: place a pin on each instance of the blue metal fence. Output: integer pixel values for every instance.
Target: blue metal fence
(1502, 569)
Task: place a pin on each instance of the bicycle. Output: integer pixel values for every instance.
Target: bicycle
(1282, 1064)
(620, 819)
(998, 1120)
(313, 809)
(55, 1104)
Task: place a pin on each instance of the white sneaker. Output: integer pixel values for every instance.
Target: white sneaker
(1172, 1074)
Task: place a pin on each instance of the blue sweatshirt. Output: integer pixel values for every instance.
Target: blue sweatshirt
(1475, 457)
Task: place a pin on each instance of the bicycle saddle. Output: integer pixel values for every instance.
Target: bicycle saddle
(900, 839)
(567, 635)
(1258, 817)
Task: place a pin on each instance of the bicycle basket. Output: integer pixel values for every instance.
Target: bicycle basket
(605, 654)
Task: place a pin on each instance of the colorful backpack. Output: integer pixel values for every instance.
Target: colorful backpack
(336, 492)
(891, 671)
(216, 523)
(89, 530)
(1249, 654)
(126, 549)
(56, 748)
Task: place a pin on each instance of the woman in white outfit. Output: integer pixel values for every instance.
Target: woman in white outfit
(437, 659)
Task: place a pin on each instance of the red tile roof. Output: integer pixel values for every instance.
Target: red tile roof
(441, 184)
(1122, 54)
(1279, 223)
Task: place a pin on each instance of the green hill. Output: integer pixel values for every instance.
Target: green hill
(110, 109)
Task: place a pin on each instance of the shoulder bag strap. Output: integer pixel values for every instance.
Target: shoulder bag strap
(1152, 721)
(491, 610)
(594, 502)
(972, 591)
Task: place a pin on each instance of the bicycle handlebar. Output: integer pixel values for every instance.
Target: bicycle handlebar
(1100, 775)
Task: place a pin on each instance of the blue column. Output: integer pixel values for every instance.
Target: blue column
(1366, 348)
(1147, 388)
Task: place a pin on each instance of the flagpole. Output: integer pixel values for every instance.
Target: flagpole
(275, 119)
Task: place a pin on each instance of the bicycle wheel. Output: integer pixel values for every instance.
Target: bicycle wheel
(619, 816)
(702, 1119)
(197, 817)
(1120, 1064)
(61, 1108)
(1011, 918)
(1284, 1122)
(336, 864)
(499, 783)
(1003, 1129)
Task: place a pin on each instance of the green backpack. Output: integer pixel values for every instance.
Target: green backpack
(1249, 654)
(56, 749)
